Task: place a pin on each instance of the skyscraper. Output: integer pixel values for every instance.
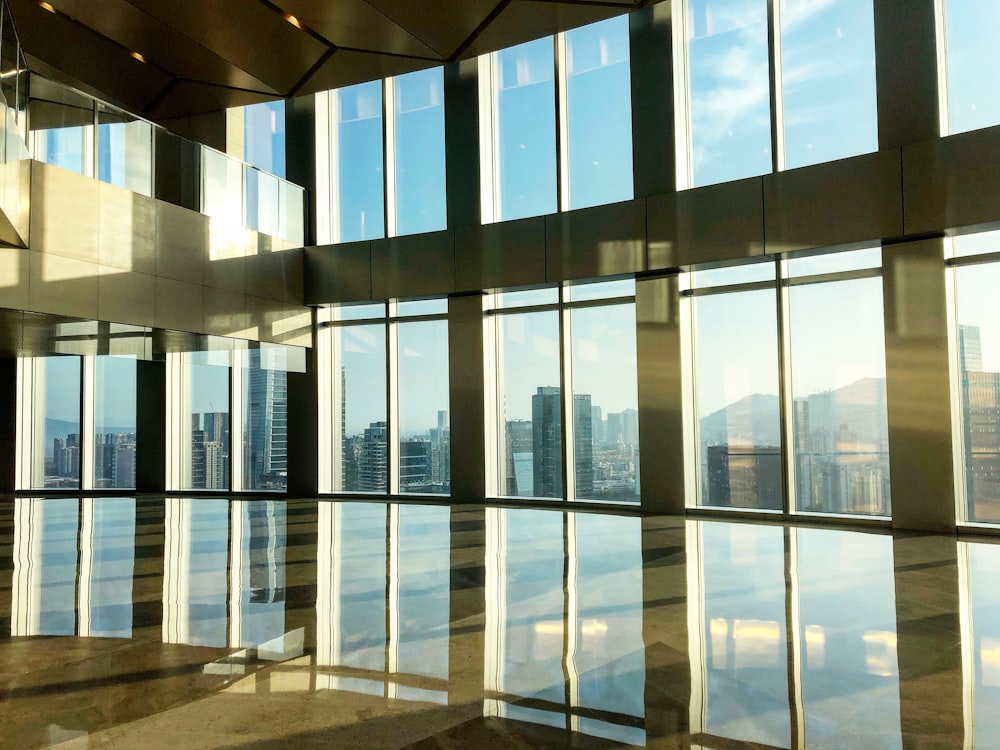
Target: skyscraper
(546, 442)
(266, 450)
(372, 461)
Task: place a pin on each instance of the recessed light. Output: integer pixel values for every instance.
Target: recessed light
(138, 56)
(292, 20)
(46, 6)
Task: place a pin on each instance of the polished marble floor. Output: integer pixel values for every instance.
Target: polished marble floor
(208, 623)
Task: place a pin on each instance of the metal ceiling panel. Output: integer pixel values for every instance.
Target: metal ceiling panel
(347, 67)
(444, 25)
(157, 42)
(253, 37)
(356, 24)
(184, 97)
(544, 19)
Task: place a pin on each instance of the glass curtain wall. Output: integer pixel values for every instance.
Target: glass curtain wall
(203, 416)
(973, 274)
(545, 343)
(970, 61)
(124, 150)
(114, 422)
(50, 415)
(384, 385)
(788, 388)
(816, 57)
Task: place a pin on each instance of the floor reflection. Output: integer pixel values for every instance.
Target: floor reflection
(516, 626)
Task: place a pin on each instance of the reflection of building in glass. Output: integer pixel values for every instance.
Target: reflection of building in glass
(981, 405)
(372, 459)
(741, 476)
(266, 457)
(546, 442)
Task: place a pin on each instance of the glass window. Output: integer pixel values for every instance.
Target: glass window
(828, 80)
(124, 150)
(63, 136)
(979, 370)
(265, 421)
(107, 552)
(291, 219)
(53, 394)
(359, 210)
(973, 63)
(424, 428)
(837, 262)
(605, 403)
(840, 423)
(264, 136)
(981, 562)
(360, 354)
(418, 167)
(205, 447)
(530, 405)
(525, 122)
(114, 422)
(728, 90)
(222, 187)
(737, 394)
(598, 115)
(258, 575)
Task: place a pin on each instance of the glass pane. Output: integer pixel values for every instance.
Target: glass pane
(292, 214)
(984, 609)
(828, 80)
(850, 260)
(738, 407)
(358, 312)
(528, 298)
(847, 630)
(63, 129)
(106, 598)
(605, 403)
(258, 577)
(264, 136)
(730, 110)
(840, 433)
(526, 130)
(261, 201)
(124, 151)
(424, 544)
(419, 153)
(749, 273)
(422, 307)
(979, 365)
(206, 461)
(56, 453)
(265, 428)
(424, 429)
(600, 290)
(530, 406)
(222, 188)
(114, 422)
(745, 654)
(360, 211)
(973, 63)
(360, 354)
(45, 566)
(599, 113)
(976, 244)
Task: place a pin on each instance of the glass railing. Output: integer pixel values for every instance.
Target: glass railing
(72, 130)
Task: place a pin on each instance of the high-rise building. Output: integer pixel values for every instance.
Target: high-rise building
(265, 457)
(372, 459)
(583, 445)
(546, 442)
(970, 348)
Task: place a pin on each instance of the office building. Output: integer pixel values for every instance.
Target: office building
(433, 273)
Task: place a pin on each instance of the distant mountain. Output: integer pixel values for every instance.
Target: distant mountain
(754, 419)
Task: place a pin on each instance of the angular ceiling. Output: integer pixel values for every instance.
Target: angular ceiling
(204, 55)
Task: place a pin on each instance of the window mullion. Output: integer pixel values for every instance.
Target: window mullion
(777, 110)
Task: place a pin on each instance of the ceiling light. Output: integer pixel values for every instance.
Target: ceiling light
(292, 20)
(139, 57)
(47, 7)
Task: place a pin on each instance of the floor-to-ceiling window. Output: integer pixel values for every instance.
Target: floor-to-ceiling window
(384, 409)
(561, 379)
(970, 63)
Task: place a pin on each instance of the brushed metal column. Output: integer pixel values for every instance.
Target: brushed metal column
(652, 69)
(661, 397)
(466, 394)
(918, 391)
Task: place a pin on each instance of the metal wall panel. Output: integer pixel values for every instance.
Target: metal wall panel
(126, 296)
(461, 142)
(338, 273)
(179, 305)
(14, 271)
(836, 203)
(413, 266)
(705, 225)
(63, 286)
(127, 230)
(511, 253)
(65, 213)
(182, 243)
(951, 183)
(651, 53)
(467, 385)
(918, 393)
(599, 241)
(661, 396)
